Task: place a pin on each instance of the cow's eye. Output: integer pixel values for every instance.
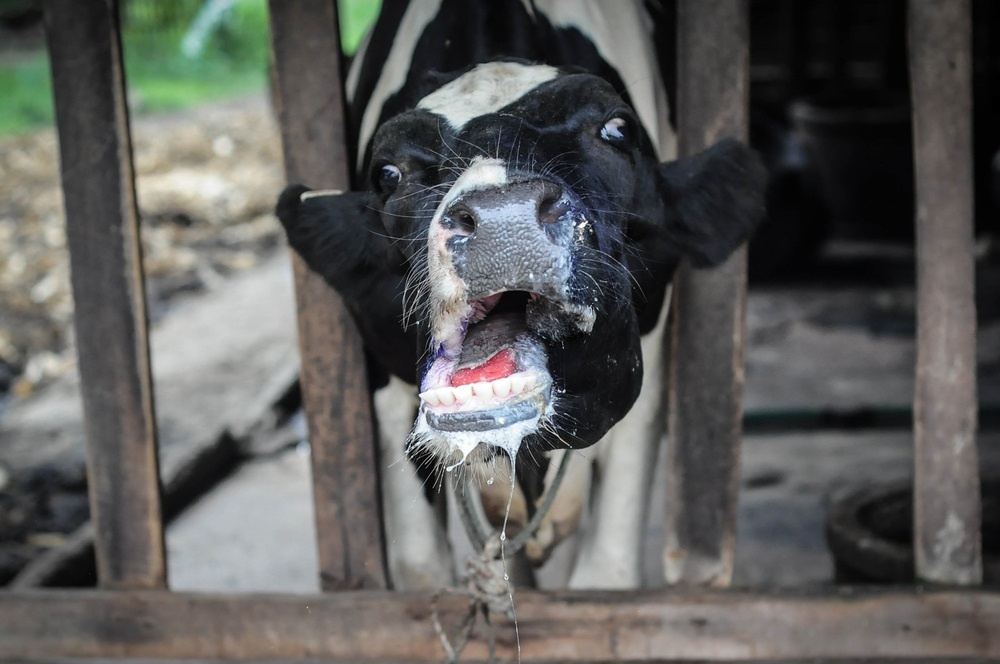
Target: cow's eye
(387, 178)
(616, 132)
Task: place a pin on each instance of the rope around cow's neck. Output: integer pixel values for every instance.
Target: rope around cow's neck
(481, 583)
(474, 527)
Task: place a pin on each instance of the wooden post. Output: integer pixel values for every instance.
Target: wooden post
(706, 402)
(102, 228)
(310, 102)
(946, 493)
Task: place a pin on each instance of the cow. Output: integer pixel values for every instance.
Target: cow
(506, 253)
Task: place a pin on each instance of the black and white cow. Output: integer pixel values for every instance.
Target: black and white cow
(509, 251)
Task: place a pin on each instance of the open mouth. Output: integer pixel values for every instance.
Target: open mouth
(491, 372)
(487, 384)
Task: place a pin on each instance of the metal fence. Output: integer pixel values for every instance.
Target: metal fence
(133, 615)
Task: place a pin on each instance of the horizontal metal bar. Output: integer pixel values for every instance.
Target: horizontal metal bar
(565, 626)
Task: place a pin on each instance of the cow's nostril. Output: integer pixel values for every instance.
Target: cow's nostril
(552, 208)
(461, 220)
(465, 221)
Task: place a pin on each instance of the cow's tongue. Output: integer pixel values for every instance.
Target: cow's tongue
(487, 352)
(499, 366)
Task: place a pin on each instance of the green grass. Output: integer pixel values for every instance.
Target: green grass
(355, 17)
(25, 102)
(234, 61)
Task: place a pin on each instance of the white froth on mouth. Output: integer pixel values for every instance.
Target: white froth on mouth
(456, 448)
(513, 407)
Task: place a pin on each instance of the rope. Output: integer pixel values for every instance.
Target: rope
(474, 527)
(470, 519)
(487, 592)
(485, 584)
(548, 498)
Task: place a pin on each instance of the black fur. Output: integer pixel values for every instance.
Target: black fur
(343, 241)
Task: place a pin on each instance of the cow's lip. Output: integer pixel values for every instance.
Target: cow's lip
(520, 393)
(466, 423)
(487, 417)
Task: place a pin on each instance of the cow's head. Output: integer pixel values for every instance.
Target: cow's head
(519, 221)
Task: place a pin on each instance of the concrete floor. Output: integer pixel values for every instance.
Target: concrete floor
(255, 532)
(809, 351)
(836, 351)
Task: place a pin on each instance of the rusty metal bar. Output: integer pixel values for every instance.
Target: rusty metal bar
(706, 402)
(946, 495)
(552, 627)
(102, 224)
(310, 101)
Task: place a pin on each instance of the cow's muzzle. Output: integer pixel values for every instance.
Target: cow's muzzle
(515, 237)
(501, 286)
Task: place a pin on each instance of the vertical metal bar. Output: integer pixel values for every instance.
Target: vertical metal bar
(946, 493)
(310, 100)
(706, 402)
(110, 308)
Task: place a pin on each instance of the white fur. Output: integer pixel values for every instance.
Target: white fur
(397, 66)
(447, 294)
(481, 174)
(418, 549)
(610, 554)
(486, 89)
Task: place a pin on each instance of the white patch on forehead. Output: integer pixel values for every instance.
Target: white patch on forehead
(485, 89)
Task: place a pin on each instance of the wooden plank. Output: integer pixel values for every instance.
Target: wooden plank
(306, 48)
(706, 402)
(946, 496)
(216, 402)
(62, 660)
(568, 626)
(107, 281)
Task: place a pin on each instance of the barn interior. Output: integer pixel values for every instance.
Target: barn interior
(830, 333)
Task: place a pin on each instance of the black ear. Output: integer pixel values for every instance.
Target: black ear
(341, 239)
(714, 201)
(336, 233)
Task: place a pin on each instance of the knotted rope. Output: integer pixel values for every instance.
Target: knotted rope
(485, 579)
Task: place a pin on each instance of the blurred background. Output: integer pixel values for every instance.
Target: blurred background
(209, 167)
(207, 181)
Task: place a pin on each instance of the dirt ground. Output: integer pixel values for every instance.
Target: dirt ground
(206, 182)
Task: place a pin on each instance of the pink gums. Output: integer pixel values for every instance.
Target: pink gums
(499, 366)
